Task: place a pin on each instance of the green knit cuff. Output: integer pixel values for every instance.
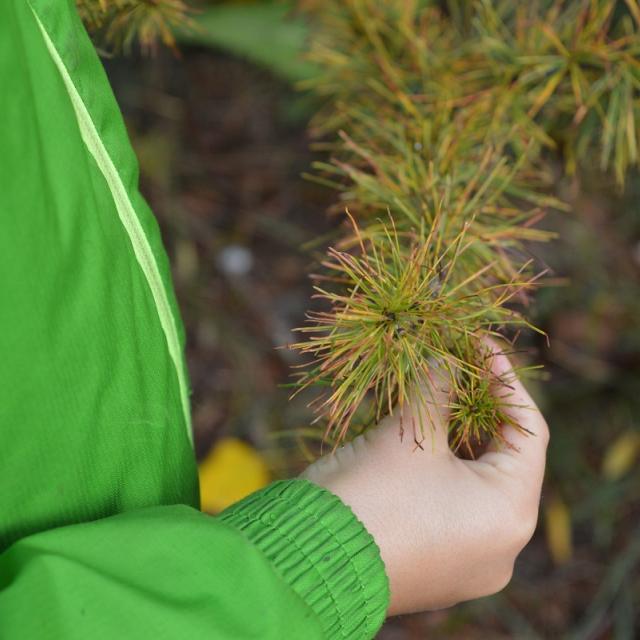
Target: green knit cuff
(322, 550)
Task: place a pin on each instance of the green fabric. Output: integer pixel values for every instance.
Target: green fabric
(90, 395)
(291, 562)
(100, 536)
(163, 572)
(322, 551)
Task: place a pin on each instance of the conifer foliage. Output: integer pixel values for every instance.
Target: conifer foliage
(442, 119)
(119, 24)
(445, 122)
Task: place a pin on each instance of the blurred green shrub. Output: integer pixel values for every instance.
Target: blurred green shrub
(265, 33)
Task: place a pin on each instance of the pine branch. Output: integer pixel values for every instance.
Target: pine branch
(119, 24)
(444, 113)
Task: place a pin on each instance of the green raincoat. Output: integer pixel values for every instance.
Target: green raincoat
(100, 532)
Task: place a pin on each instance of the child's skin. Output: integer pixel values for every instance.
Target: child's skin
(448, 529)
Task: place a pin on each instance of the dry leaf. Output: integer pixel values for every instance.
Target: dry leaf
(558, 530)
(621, 454)
(232, 470)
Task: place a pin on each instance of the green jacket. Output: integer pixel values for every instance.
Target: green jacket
(100, 532)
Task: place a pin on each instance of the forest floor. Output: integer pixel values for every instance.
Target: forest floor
(222, 146)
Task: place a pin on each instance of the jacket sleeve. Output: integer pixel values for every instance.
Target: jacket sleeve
(288, 562)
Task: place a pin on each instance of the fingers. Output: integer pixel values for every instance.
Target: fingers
(421, 423)
(430, 404)
(524, 448)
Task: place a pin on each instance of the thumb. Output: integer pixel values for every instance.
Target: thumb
(526, 447)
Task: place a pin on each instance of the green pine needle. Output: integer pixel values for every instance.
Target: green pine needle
(400, 310)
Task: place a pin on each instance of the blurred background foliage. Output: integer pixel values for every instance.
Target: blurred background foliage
(221, 134)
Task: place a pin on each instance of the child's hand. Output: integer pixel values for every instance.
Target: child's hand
(448, 529)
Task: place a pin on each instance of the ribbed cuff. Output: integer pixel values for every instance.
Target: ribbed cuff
(322, 550)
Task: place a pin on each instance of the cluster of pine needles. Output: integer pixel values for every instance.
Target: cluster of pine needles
(120, 24)
(447, 123)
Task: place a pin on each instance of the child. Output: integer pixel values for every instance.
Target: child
(100, 532)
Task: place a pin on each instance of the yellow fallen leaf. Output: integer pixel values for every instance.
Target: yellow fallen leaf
(557, 520)
(232, 470)
(621, 454)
